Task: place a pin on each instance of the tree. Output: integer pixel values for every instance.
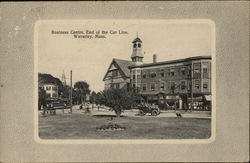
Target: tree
(82, 89)
(93, 97)
(65, 92)
(41, 97)
(48, 79)
(119, 99)
(100, 98)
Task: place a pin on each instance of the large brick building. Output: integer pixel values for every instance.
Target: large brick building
(182, 80)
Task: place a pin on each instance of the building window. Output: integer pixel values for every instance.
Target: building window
(162, 86)
(172, 72)
(197, 67)
(54, 88)
(153, 75)
(162, 72)
(205, 85)
(153, 87)
(133, 76)
(189, 70)
(197, 84)
(205, 68)
(144, 76)
(133, 85)
(138, 76)
(183, 85)
(116, 85)
(183, 72)
(115, 73)
(144, 87)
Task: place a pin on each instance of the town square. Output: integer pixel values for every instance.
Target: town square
(130, 98)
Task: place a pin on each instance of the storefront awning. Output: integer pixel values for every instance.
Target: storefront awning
(172, 97)
(200, 98)
(149, 93)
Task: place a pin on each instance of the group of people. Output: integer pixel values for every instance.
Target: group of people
(87, 106)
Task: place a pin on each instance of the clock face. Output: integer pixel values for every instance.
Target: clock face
(134, 45)
(139, 45)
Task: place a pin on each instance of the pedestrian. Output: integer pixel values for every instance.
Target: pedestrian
(87, 108)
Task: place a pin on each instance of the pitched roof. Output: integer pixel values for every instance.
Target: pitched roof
(137, 39)
(123, 65)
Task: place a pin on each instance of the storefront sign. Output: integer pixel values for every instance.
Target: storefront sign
(172, 97)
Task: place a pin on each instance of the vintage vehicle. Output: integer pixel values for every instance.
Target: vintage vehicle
(51, 104)
(152, 109)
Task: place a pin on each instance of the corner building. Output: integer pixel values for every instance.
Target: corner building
(181, 82)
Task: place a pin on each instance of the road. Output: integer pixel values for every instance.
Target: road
(134, 113)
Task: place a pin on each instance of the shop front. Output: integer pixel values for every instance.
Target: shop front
(170, 102)
(200, 103)
(178, 101)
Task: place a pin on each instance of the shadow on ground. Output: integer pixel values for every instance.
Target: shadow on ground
(106, 116)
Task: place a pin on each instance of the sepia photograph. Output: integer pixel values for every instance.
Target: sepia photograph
(125, 79)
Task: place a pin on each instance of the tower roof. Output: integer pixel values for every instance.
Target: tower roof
(137, 51)
(137, 39)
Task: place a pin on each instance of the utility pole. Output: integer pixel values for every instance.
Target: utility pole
(70, 91)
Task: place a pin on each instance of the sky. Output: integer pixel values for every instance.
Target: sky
(89, 59)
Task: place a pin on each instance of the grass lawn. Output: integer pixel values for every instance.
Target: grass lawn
(81, 126)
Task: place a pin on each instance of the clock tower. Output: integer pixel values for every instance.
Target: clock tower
(137, 56)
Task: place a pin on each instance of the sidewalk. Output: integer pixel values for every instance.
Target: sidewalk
(164, 113)
(134, 113)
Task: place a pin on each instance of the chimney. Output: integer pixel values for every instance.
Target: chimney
(154, 58)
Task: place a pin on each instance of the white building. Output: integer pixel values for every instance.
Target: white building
(51, 90)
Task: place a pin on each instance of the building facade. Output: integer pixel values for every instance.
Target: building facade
(182, 81)
(118, 74)
(51, 90)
